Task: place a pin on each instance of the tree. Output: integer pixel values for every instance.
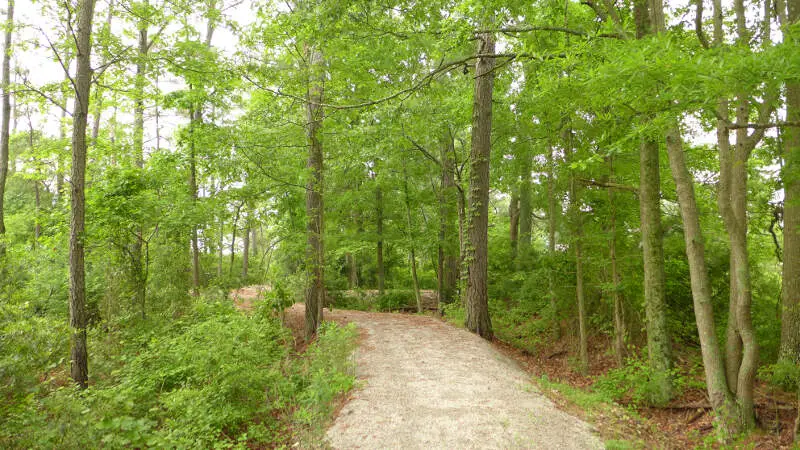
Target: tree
(477, 302)
(79, 369)
(6, 120)
(315, 228)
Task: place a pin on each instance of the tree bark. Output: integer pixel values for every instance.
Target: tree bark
(575, 213)
(477, 300)
(315, 254)
(411, 236)
(658, 341)
(448, 238)
(233, 236)
(790, 286)
(513, 221)
(138, 267)
(716, 379)
(651, 19)
(551, 242)
(352, 270)
(379, 245)
(525, 207)
(4, 132)
(79, 367)
(196, 117)
(245, 252)
(616, 282)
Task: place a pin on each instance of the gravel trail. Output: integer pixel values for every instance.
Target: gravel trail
(427, 385)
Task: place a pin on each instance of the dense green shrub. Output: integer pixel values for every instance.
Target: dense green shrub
(214, 379)
(395, 300)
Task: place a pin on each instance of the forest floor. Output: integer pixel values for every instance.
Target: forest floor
(426, 384)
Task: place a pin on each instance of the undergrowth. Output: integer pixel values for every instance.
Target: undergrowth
(215, 378)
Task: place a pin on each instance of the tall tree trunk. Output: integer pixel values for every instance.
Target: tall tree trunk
(315, 254)
(79, 367)
(477, 301)
(411, 237)
(246, 250)
(233, 236)
(513, 220)
(254, 239)
(551, 242)
(220, 247)
(195, 121)
(379, 231)
(575, 213)
(790, 284)
(716, 380)
(616, 282)
(525, 207)
(448, 239)
(658, 341)
(4, 133)
(138, 266)
(651, 18)
(352, 271)
(790, 288)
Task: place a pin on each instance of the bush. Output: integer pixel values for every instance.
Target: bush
(215, 379)
(637, 383)
(395, 300)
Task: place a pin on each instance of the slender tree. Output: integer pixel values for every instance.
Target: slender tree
(6, 120)
(315, 250)
(79, 368)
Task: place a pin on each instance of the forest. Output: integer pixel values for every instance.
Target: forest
(610, 184)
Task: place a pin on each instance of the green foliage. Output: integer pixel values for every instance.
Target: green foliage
(216, 378)
(455, 313)
(396, 300)
(782, 374)
(354, 300)
(635, 383)
(32, 346)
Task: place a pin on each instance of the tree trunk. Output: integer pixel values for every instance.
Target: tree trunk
(790, 288)
(138, 275)
(220, 247)
(525, 207)
(315, 255)
(233, 236)
(651, 19)
(411, 237)
(575, 213)
(79, 367)
(352, 271)
(477, 301)
(616, 283)
(448, 239)
(196, 117)
(379, 230)
(4, 133)
(716, 381)
(551, 242)
(513, 221)
(790, 285)
(245, 252)
(658, 341)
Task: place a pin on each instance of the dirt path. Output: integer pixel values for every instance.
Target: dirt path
(428, 385)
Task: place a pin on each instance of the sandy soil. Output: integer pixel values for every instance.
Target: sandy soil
(428, 385)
